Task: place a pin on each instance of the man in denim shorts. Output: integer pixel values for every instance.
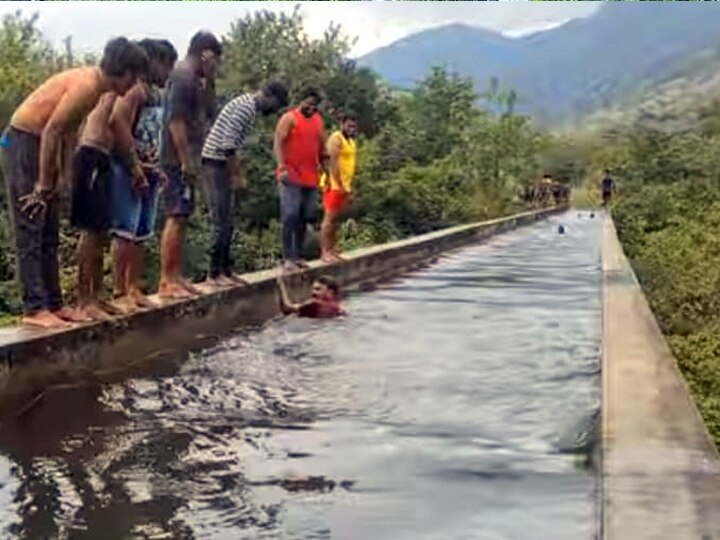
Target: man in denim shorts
(136, 174)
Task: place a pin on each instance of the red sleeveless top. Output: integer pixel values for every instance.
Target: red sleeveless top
(301, 149)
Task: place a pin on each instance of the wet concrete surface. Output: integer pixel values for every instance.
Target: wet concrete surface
(446, 406)
(661, 472)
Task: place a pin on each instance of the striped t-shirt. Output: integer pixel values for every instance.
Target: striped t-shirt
(230, 129)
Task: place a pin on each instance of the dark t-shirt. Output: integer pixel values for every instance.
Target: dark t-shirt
(186, 99)
(608, 184)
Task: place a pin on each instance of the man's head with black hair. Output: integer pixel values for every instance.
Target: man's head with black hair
(205, 47)
(272, 98)
(122, 63)
(309, 98)
(326, 288)
(348, 124)
(162, 57)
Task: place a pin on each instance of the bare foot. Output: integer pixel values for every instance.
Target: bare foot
(237, 279)
(173, 291)
(125, 304)
(211, 285)
(44, 319)
(97, 313)
(227, 281)
(338, 257)
(288, 267)
(73, 315)
(107, 307)
(189, 287)
(328, 258)
(141, 300)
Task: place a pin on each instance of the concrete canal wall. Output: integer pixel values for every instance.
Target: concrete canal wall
(660, 470)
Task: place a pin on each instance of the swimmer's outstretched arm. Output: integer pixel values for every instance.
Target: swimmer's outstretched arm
(286, 305)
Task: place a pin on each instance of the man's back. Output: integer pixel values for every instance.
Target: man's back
(33, 114)
(230, 129)
(183, 100)
(97, 132)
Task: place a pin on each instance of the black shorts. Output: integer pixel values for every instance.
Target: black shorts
(90, 209)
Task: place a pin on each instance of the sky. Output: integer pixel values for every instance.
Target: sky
(374, 24)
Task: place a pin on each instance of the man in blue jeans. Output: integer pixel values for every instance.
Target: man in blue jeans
(227, 136)
(299, 148)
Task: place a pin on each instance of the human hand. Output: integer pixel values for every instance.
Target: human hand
(190, 173)
(35, 203)
(139, 180)
(163, 180)
(238, 174)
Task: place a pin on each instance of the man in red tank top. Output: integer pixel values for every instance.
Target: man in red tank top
(300, 153)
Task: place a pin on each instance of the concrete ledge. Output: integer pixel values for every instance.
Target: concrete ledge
(182, 324)
(661, 472)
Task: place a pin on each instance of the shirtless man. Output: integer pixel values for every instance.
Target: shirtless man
(136, 174)
(48, 117)
(90, 212)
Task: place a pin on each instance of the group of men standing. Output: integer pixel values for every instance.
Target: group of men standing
(139, 124)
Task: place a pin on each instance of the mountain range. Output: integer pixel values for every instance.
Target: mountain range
(563, 74)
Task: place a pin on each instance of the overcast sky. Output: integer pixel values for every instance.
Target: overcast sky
(375, 23)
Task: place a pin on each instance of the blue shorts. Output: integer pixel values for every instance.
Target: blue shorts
(133, 215)
(179, 196)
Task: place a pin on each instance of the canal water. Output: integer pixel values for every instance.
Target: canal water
(452, 404)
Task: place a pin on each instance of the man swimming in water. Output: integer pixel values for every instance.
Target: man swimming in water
(323, 304)
(45, 123)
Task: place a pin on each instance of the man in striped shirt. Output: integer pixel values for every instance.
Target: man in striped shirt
(226, 137)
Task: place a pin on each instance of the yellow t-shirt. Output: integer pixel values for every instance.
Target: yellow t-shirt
(346, 162)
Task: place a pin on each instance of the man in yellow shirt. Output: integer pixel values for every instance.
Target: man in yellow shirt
(337, 186)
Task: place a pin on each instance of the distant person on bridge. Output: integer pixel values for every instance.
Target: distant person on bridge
(323, 304)
(41, 130)
(300, 153)
(608, 188)
(188, 106)
(136, 176)
(222, 171)
(337, 185)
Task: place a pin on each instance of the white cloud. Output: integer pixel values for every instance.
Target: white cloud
(373, 23)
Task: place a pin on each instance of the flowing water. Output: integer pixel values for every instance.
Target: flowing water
(451, 404)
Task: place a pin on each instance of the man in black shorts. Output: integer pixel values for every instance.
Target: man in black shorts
(90, 212)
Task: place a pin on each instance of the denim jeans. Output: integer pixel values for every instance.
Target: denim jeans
(216, 177)
(298, 205)
(36, 240)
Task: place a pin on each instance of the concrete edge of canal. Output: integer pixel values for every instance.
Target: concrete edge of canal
(660, 469)
(186, 324)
